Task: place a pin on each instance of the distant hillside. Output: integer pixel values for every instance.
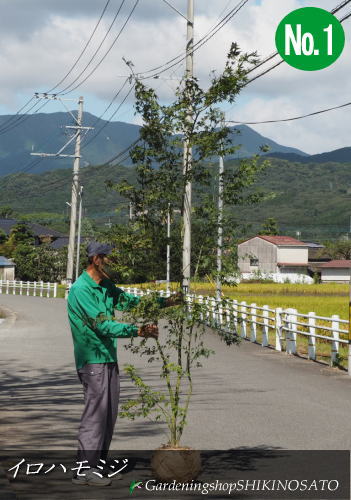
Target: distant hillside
(342, 155)
(251, 141)
(313, 199)
(46, 133)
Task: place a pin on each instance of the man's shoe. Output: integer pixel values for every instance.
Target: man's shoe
(92, 478)
(80, 480)
(116, 477)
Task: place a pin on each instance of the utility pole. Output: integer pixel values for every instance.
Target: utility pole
(349, 335)
(131, 215)
(349, 329)
(75, 184)
(109, 223)
(79, 229)
(220, 228)
(187, 158)
(168, 249)
(75, 187)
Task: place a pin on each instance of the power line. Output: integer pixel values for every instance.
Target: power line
(14, 122)
(345, 17)
(4, 129)
(113, 114)
(21, 118)
(339, 7)
(83, 50)
(121, 153)
(13, 119)
(199, 44)
(16, 114)
(278, 64)
(295, 117)
(333, 11)
(173, 8)
(96, 51)
(226, 19)
(196, 45)
(111, 102)
(104, 56)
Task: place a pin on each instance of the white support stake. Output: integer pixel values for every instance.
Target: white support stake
(265, 328)
(227, 317)
(335, 341)
(220, 313)
(243, 320)
(235, 316)
(253, 336)
(201, 301)
(312, 338)
(207, 302)
(213, 312)
(278, 328)
(293, 336)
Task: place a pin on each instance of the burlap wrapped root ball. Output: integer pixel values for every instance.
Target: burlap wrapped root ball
(180, 464)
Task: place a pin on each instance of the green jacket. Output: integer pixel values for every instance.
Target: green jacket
(91, 309)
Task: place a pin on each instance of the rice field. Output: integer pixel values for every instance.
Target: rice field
(323, 299)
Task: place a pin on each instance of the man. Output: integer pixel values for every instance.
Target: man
(92, 301)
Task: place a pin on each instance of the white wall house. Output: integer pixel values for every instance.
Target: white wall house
(280, 258)
(335, 271)
(7, 269)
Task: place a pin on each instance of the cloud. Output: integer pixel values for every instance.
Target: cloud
(41, 40)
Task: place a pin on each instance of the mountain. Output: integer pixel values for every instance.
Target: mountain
(313, 200)
(251, 141)
(46, 132)
(342, 155)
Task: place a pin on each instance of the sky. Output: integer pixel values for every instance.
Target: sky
(42, 39)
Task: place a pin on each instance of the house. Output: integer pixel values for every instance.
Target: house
(7, 269)
(280, 258)
(335, 271)
(314, 252)
(42, 234)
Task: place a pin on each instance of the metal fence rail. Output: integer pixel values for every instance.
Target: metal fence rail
(33, 288)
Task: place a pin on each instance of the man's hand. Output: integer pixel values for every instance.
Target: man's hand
(175, 300)
(147, 331)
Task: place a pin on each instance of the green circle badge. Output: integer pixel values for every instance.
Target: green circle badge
(310, 38)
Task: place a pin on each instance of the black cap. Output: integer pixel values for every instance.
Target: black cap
(96, 248)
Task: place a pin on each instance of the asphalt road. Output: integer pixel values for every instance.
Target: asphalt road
(244, 396)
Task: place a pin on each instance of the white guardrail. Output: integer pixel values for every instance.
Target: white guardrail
(282, 329)
(34, 288)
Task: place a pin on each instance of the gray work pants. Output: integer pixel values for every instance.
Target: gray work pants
(101, 387)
